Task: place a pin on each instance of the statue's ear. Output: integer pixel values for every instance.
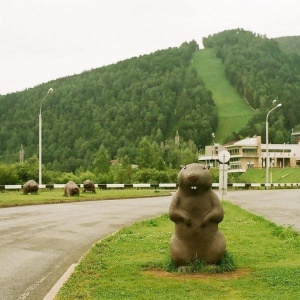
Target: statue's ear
(207, 167)
(182, 167)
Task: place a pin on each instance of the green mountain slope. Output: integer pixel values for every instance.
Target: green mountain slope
(261, 72)
(115, 106)
(195, 92)
(233, 110)
(289, 44)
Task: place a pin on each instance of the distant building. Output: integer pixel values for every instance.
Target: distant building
(251, 153)
(295, 137)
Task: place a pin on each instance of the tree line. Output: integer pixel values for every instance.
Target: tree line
(157, 163)
(115, 107)
(99, 122)
(261, 71)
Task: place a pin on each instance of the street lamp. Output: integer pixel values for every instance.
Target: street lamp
(267, 140)
(40, 136)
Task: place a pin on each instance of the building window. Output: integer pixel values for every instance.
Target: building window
(250, 151)
(234, 151)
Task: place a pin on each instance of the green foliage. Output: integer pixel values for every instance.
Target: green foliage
(101, 162)
(158, 164)
(261, 71)
(65, 177)
(150, 176)
(87, 175)
(114, 107)
(154, 96)
(147, 153)
(8, 174)
(215, 174)
(289, 44)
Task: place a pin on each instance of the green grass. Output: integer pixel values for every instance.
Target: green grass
(278, 175)
(46, 196)
(233, 110)
(267, 258)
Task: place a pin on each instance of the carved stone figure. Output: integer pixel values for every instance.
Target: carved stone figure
(71, 189)
(196, 210)
(30, 187)
(89, 186)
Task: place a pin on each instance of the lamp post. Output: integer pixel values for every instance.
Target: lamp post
(267, 140)
(40, 136)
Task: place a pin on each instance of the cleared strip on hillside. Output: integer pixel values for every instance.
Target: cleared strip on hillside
(233, 110)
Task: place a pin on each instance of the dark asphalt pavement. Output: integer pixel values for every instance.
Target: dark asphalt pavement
(39, 243)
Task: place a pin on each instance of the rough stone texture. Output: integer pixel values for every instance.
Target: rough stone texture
(89, 186)
(71, 189)
(196, 210)
(30, 187)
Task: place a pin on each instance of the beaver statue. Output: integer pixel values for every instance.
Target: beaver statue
(71, 189)
(196, 210)
(30, 187)
(89, 186)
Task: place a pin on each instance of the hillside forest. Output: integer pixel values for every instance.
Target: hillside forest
(153, 111)
(261, 70)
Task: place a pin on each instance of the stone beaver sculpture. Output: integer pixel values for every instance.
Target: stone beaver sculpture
(30, 187)
(89, 186)
(71, 189)
(196, 211)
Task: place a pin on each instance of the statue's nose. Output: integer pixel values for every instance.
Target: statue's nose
(193, 176)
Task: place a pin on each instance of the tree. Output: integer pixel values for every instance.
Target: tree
(8, 174)
(101, 162)
(145, 155)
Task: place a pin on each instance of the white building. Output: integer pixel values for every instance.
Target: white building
(251, 153)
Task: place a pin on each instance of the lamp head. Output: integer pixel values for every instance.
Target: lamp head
(50, 91)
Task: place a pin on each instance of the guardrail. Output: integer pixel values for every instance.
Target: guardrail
(156, 185)
(100, 186)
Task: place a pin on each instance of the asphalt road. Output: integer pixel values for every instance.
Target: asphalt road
(280, 206)
(39, 243)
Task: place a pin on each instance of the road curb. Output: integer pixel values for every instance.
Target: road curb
(54, 290)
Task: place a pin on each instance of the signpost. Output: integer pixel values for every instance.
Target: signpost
(224, 157)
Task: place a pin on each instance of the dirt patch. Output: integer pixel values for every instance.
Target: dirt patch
(184, 276)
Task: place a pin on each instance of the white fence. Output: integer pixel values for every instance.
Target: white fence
(157, 185)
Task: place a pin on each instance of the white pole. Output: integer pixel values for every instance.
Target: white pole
(267, 142)
(267, 149)
(40, 148)
(40, 137)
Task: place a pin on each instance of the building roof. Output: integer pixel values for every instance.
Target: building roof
(246, 142)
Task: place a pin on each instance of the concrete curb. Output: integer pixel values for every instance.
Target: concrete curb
(52, 293)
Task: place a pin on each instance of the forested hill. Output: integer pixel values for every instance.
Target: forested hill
(261, 72)
(153, 95)
(289, 44)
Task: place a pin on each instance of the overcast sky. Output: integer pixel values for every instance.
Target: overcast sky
(41, 40)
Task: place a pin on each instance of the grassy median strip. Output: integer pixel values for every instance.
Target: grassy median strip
(46, 196)
(134, 264)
